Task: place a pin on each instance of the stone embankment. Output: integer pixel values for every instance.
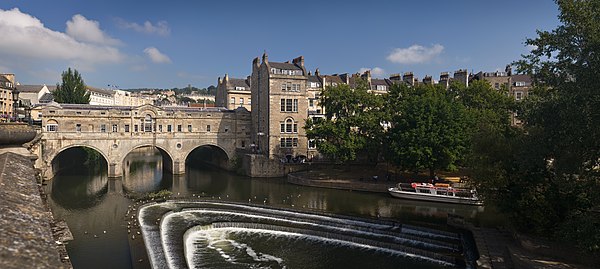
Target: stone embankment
(26, 239)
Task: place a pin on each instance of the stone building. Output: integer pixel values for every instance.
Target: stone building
(32, 94)
(233, 93)
(279, 108)
(7, 86)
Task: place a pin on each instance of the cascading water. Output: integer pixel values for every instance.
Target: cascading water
(216, 234)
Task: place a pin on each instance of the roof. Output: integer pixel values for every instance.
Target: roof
(238, 82)
(522, 78)
(98, 90)
(284, 66)
(313, 79)
(377, 81)
(30, 88)
(333, 79)
(46, 98)
(4, 79)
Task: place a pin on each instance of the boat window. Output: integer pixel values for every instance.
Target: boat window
(423, 190)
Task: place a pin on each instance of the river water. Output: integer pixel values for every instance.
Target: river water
(96, 207)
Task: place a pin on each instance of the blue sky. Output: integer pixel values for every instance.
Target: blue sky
(166, 44)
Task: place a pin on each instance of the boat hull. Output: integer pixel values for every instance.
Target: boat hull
(433, 197)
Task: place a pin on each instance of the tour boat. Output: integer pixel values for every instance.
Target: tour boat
(439, 192)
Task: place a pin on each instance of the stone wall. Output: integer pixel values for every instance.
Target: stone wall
(26, 237)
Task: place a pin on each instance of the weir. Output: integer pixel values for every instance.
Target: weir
(190, 228)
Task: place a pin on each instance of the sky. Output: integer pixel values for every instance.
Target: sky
(172, 44)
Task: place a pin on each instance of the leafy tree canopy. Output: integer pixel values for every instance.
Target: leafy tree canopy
(72, 90)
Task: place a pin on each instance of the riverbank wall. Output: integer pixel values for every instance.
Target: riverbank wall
(26, 224)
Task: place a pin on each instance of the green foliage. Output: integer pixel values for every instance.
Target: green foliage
(428, 128)
(72, 90)
(162, 194)
(546, 176)
(350, 127)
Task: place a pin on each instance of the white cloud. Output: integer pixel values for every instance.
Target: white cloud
(531, 47)
(160, 28)
(29, 38)
(85, 30)
(156, 56)
(375, 71)
(415, 54)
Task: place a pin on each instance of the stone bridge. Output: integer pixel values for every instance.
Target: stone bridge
(115, 131)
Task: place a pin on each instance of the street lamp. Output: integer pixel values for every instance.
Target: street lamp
(15, 96)
(260, 135)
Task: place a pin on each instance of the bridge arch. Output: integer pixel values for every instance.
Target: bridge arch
(54, 166)
(209, 153)
(168, 158)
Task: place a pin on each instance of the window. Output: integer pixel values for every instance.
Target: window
(289, 105)
(240, 88)
(311, 102)
(127, 128)
(51, 127)
(381, 88)
(243, 144)
(208, 128)
(289, 126)
(189, 128)
(78, 127)
(283, 86)
(314, 85)
(295, 87)
(232, 100)
(519, 83)
(241, 101)
(103, 128)
(160, 128)
(169, 128)
(249, 101)
(288, 142)
(497, 85)
(179, 127)
(115, 128)
(148, 123)
(135, 128)
(518, 95)
(312, 144)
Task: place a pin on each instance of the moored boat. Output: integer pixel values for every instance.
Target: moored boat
(435, 193)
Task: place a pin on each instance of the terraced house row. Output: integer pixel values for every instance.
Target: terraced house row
(281, 95)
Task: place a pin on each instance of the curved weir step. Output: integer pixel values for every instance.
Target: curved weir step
(167, 227)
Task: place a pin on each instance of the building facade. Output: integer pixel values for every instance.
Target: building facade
(233, 93)
(7, 86)
(279, 108)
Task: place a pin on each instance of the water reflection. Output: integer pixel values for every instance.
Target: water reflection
(143, 171)
(74, 191)
(92, 204)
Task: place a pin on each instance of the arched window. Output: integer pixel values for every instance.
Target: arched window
(289, 126)
(148, 123)
(52, 126)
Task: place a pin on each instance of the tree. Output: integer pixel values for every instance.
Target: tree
(352, 123)
(546, 177)
(72, 90)
(428, 128)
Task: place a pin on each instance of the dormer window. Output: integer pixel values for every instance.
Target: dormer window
(519, 84)
(381, 88)
(240, 88)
